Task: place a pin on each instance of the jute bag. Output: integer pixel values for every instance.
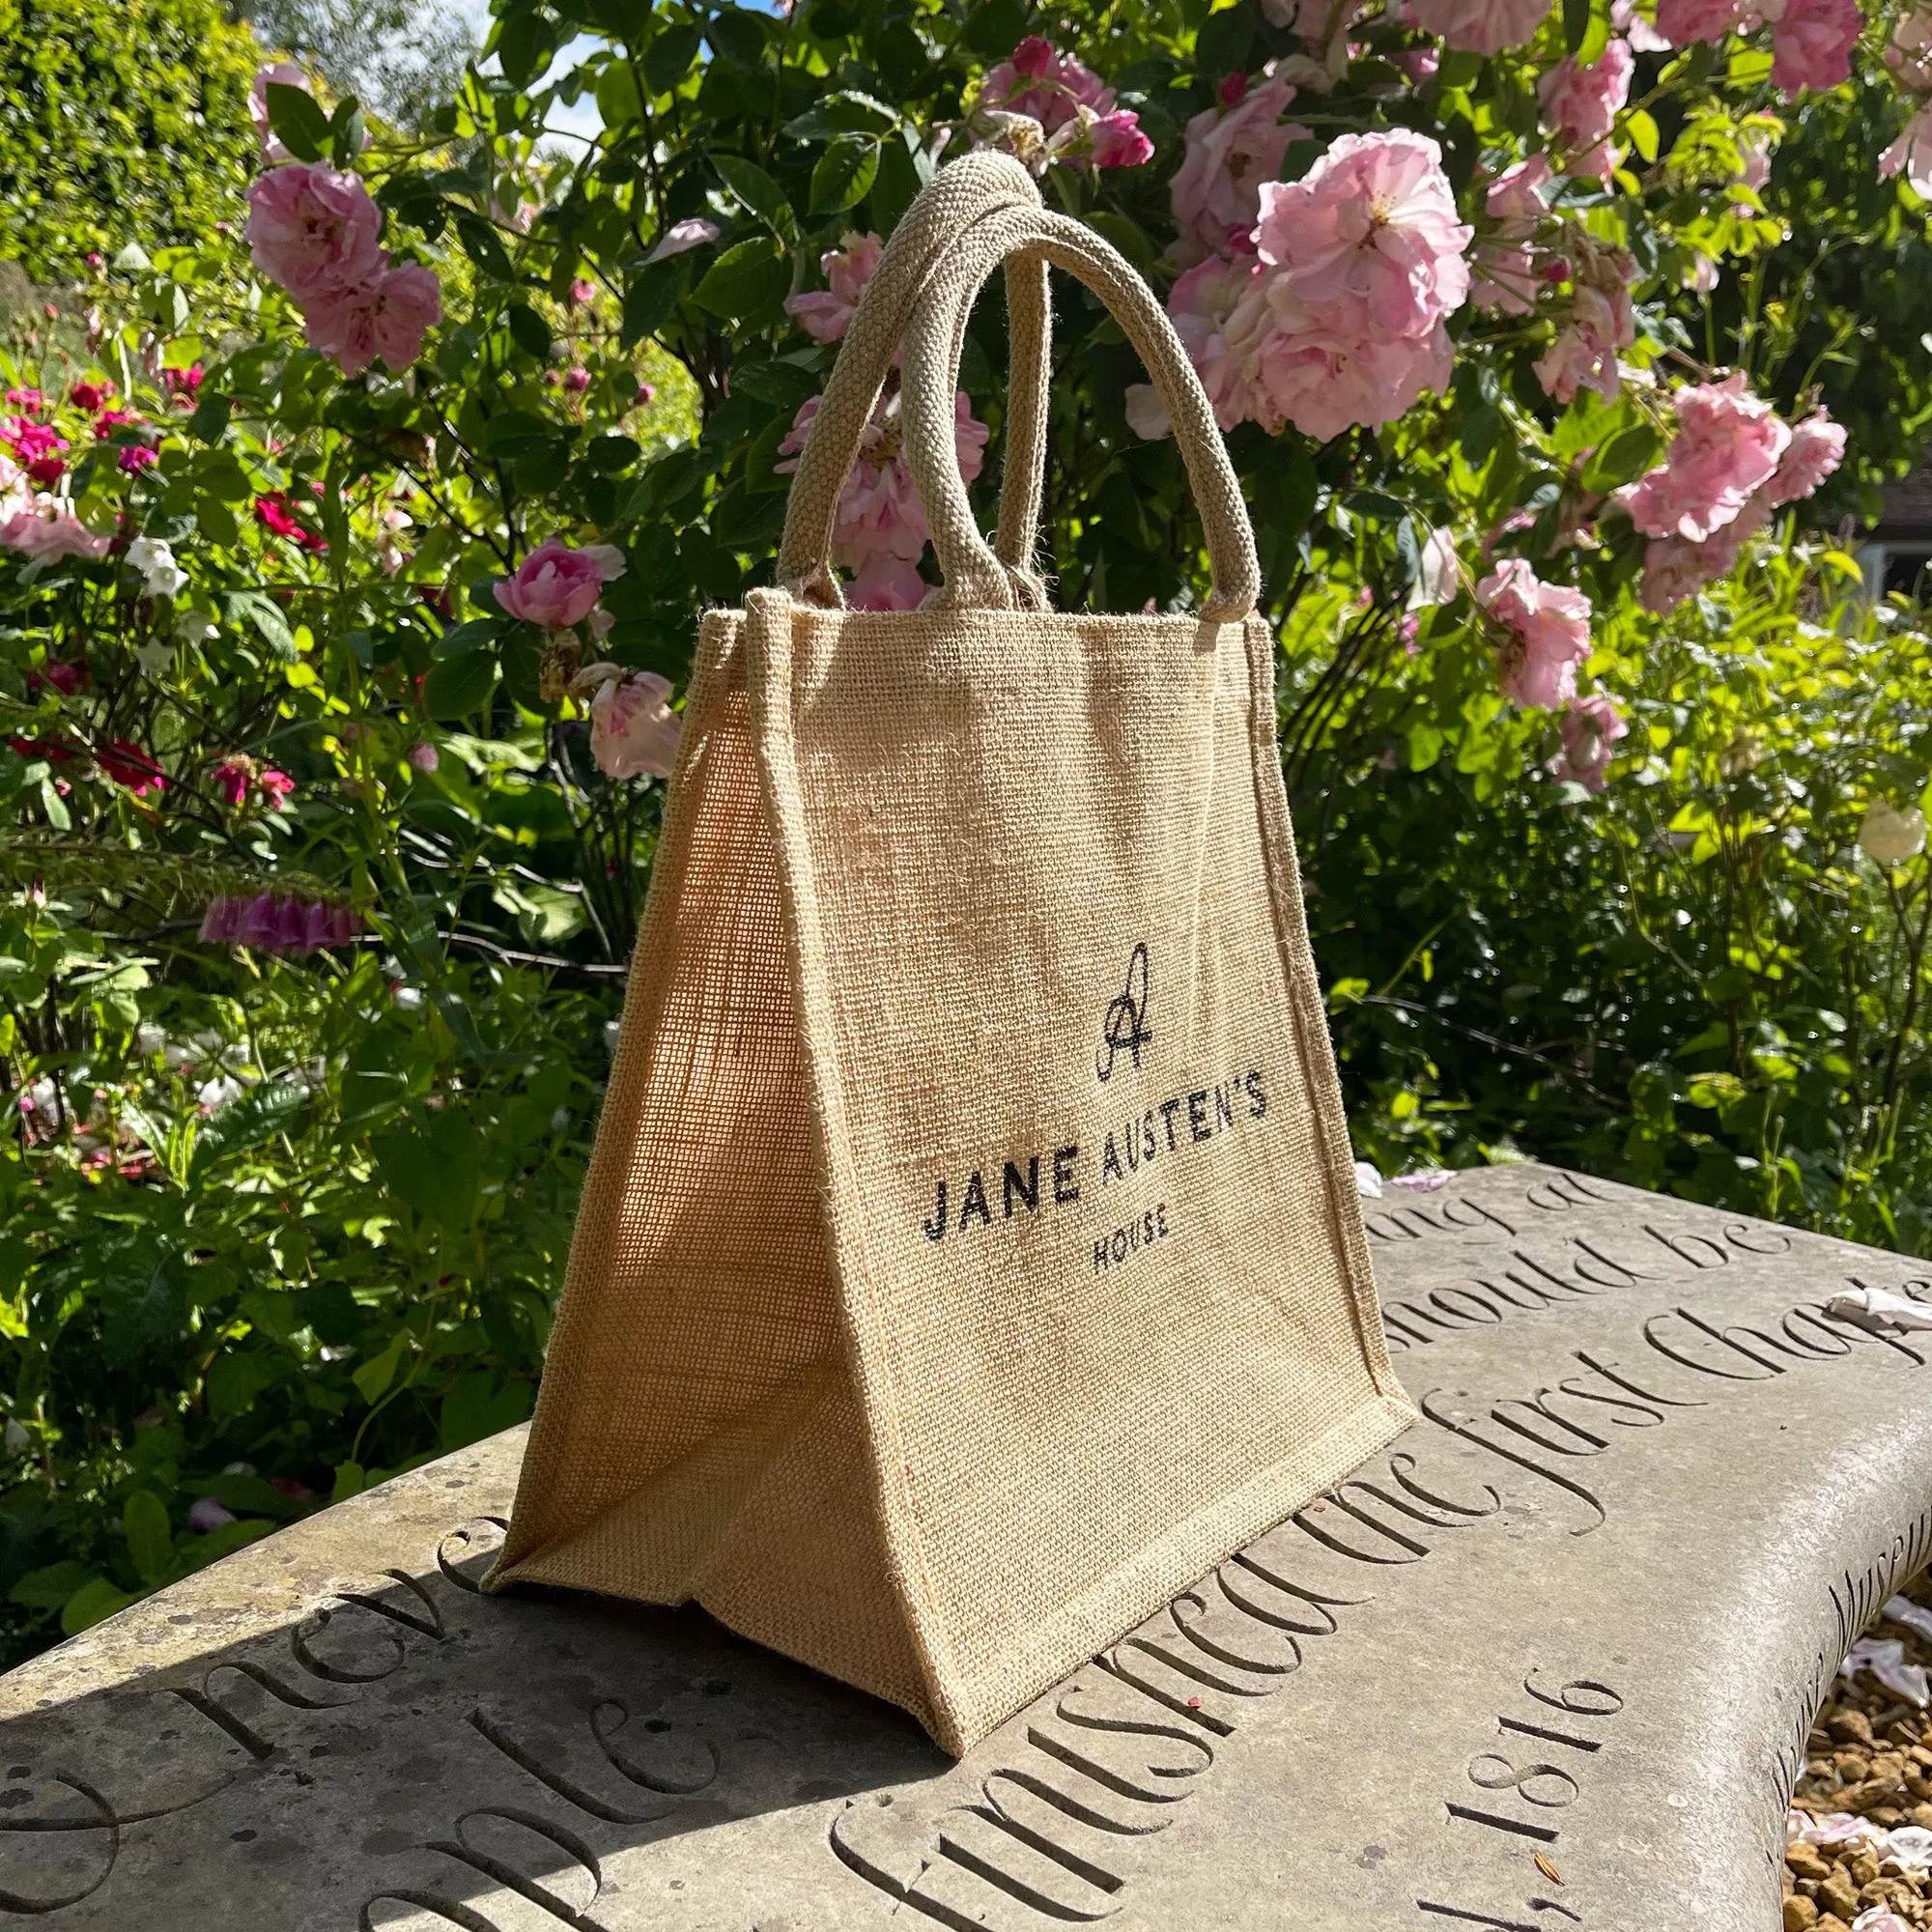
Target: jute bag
(971, 1255)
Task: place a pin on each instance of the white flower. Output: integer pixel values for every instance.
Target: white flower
(194, 627)
(1368, 1181)
(1146, 413)
(148, 1040)
(409, 999)
(161, 575)
(213, 1094)
(1440, 576)
(15, 1436)
(155, 656)
(1891, 836)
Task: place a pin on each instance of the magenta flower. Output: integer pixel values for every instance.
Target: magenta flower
(1074, 109)
(31, 440)
(556, 586)
(314, 231)
(1547, 631)
(91, 394)
(634, 732)
(135, 457)
(577, 379)
(126, 764)
(268, 923)
(232, 779)
(423, 758)
(274, 786)
(385, 318)
(581, 291)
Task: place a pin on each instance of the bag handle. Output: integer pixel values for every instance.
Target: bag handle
(976, 577)
(964, 192)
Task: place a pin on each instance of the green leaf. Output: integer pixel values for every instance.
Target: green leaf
(745, 279)
(380, 1371)
(845, 173)
(523, 47)
(668, 58)
(1622, 459)
(346, 132)
(457, 686)
(739, 35)
(96, 1602)
(197, 1553)
(528, 330)
(151, 1542)
(210, 418)
(247, 1495)
(516, 433)
(299, 122)
(267, 1110)
(846, 112)
(480, 243)
(350, 1481)
(1221, 46)
(50, 1588)
(753, 187)
(649, 300)
(610, 454)
(1576, 23)
(1642, 131)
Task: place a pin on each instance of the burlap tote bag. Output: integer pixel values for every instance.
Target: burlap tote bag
(971, 1255)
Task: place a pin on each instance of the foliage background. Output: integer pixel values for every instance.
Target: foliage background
(276, 1226)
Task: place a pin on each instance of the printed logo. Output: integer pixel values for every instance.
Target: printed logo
(1125, 1029)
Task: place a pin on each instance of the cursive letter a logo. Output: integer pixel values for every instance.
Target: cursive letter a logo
(1125, 1029)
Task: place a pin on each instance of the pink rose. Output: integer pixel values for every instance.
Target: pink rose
(634, 731)
(313, 231)
(1811, 43)
(1547, 628)
(386, 317)
(1323, 385)
(1216, 190)
(695, 232)
(1368, 237)
(1507, 277)
(1728, 444)
(283, 73)
(1682, 21)
(1911, 155)
(1644, 38)
(886, 584)
(1584, 354)
(879, 513)
(557, 586)
(1202, 305)
(1816, 448)
(1049, 86)
(1580, 106)
(1590, 727)
(1481, 26)
(47, 529)
(826, 314)
(1115, 141)
(1673, 568)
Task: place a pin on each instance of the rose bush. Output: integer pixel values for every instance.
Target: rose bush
(350, 558)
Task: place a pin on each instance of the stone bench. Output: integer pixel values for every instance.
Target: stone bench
(1547, 1663)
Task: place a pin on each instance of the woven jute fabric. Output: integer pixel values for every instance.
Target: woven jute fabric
(971, 1254)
